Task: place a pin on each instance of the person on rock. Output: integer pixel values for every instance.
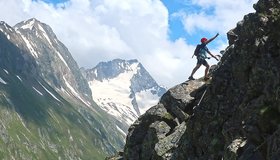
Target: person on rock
(201, 55)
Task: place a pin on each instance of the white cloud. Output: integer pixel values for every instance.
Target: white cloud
(216, 15)
(101, 30)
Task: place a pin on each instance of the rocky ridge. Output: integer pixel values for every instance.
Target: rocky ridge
(55, 62)
(238, 117)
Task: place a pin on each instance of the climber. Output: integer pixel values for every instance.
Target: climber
(201, 55)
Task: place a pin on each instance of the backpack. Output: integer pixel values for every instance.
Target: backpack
(197, 49)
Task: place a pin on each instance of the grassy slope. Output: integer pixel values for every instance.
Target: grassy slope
(41, 127)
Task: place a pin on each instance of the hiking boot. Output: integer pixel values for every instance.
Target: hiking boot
(191, 78)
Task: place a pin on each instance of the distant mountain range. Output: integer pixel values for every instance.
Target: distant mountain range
(48, 105)
(123, 89)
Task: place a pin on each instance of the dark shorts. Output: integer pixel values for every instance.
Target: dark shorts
(202, 61)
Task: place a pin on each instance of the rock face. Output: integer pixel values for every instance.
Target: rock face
(239, 114)
(157, 133)
(55, 62)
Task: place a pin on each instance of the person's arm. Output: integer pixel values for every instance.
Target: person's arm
(211, 39)
(212, 55)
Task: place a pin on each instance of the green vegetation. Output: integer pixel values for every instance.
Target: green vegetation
(33, 126)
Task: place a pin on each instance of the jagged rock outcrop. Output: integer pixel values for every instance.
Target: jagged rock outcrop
(239, 115)
(157, 133)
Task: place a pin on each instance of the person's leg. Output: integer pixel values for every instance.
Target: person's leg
(206, 69)
(195, 69)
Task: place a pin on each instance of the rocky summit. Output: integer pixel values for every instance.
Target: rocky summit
(234, 116)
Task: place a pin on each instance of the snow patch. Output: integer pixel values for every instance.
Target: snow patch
(50, 92)
(45, 34)
(9, 28)
(62, 59)
(2, 81)
(6, 34)
(29, 45)
(119, 129)
(95, 72)
(122, 112)
(75, 93)
(38, 91)
(28, 25)
(6, 71)
(117, 88)
(19, 78)
(113, 95)
(64, 91)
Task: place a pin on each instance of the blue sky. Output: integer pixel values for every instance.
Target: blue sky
(161, 34)
(175, 25)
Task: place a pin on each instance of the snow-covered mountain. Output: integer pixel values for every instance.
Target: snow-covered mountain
(123, 88)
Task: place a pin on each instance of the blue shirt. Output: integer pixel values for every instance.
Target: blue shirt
(203, 51)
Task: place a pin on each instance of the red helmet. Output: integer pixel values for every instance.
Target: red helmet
(203, 40)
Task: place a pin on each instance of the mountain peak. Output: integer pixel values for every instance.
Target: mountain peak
(29, 24)
(111, 69)
(41, 43)
(35, 26)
